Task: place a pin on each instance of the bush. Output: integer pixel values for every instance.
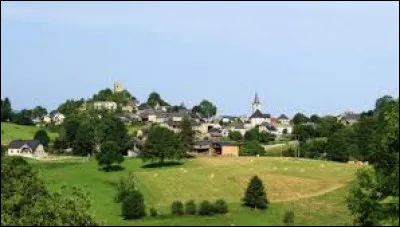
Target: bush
(133, 206)
(153, 212)
(289, 152)
(220, 207)
(177, 208)
(190, 208)
(251, 148)
(288, 217)
(235, 135)
(125, 187)
(42, 136)
(206, 208)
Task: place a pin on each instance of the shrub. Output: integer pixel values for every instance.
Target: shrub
(206, 208)
(255, 195)
(133, 206)
(177, 208)
(110, 153)
(288, 217)
(190, 208)
(220, 207)
(251, 148)
(289, 152)
(153, 212)
(126, 186)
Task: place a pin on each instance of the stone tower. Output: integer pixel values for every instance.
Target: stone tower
(118, 87)
(256, 104)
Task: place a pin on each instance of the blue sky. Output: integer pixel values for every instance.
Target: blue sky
(310, 57)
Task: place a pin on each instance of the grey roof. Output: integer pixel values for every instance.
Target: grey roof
(201, 142)
(144, 106)
(238, 126)
(257, 114)
(283, 116)
(225, 143)
(17, 144)
(215, 130)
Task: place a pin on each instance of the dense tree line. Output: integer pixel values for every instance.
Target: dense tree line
(26, 201)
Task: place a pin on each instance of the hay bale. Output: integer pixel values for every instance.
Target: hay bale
(285, 169)
(302, 170)
(350, 162)
(211, 176)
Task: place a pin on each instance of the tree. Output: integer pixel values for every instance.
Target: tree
(363, 198)
(38, 111)
(133, 206)
(313, 148)
(6, 110)
(70, 106)
(153, 212)
(252, 135)
(190, 207)
(342, 145)
(384, 100)
(125, 187)
(71, 126)
(162, 144)
(299, 118)
(110, 128)
(25, 201)
(154, 99)
(205, 108)
(304, 132)
(3, 150)
(84, 140)
(42, 136)
(186, 134)
(24, 117)
(220, 207)
(110, 153)
(265, 137)
(251, 148)
(255, 195)
(177, 208)
(235, 135)
(314, 118)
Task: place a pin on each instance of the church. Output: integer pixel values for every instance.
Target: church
(257, 117)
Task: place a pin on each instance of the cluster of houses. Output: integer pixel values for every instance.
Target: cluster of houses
(209, 131)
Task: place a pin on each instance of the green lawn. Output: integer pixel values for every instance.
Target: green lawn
(134, 127)
(314, 189)
(10, 131)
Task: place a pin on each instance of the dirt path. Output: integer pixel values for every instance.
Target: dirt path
(310, 195)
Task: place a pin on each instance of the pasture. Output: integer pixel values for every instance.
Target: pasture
(10, 131)
(314, 189)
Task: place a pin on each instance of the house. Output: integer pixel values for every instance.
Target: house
(199, 127)
(226, 148)
(348, 118)
(283, 119)
(105, 105)
(58, 118)
(26, 148)
(238, 127)
(47, 119)
(202, 146)
(171, 125)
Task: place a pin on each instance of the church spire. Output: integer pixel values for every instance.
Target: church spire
(256, 100)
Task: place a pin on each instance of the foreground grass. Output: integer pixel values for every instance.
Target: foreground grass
(10, 131)
(314, 189)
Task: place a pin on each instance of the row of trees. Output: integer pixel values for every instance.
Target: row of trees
(23, 117)
(374, 197)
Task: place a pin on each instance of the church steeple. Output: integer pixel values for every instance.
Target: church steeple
(256, 104)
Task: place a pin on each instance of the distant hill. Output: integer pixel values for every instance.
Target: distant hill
(10, 131)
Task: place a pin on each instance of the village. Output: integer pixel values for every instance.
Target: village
(211, 135)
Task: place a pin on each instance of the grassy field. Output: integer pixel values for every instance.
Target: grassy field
(11, 131)
(275, 150)
(314, 189)
(134, 127)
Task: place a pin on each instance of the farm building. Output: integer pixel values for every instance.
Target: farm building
(226, 148)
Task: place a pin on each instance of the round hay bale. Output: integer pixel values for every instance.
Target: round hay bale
(211, 176)
(285, 169)
(302, 170)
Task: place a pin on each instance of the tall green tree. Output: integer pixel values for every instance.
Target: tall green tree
(252, 135)
(39, 111)
(299, 118)
(70, 106)
(162, 144)
(186, 134)
(84, 142)
(235, 135)
(24, 117)
(206, 108)
(110, 128)
(70, 126)
(255, 195)
(42, 136)
(342, 145)
(110, 153)
(251, 148)
(154, 99)
(6, 110)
